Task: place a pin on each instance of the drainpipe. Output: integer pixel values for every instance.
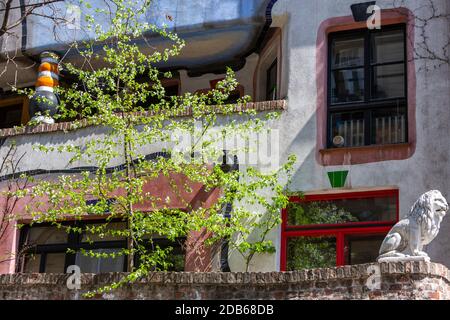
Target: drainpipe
(23, 47)
(224, 265)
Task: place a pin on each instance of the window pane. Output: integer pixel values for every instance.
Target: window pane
(347, 129)
(389, 125)
(11, 116)
(233, 97)
(32, 263)
(54, 262)
(106, 236)
(360, 249)
(347, 53)
(271, 84)
(347, 85)
(177, 261)
(389, 81)
(388, 46)
(342, 211)
(46, 235)
(100, 265)
(311, 252)
(169, 91)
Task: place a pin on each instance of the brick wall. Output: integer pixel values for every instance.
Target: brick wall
(411, 280)
(276, 105)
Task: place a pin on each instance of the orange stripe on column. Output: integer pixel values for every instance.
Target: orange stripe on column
(45, 66)
(46, 81)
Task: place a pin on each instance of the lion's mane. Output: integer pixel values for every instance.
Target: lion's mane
(422, 211)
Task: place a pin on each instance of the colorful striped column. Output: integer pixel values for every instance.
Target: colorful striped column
(44, 103)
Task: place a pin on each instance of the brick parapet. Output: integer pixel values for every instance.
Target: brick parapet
(407, 280)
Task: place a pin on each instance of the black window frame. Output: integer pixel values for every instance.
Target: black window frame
(369, 105)
(74, 242)
(269, 91)
(14, 102)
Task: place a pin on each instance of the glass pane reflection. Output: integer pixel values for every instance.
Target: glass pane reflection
(311, 252)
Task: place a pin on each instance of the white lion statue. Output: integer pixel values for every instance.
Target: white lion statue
(419, 228)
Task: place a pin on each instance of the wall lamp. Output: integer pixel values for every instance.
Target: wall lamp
(359, 10)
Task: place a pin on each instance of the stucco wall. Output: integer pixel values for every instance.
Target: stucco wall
(404, 281)
(53, 162)
(300, 21)
(426, 169)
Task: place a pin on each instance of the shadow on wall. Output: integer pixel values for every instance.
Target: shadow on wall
(308, 175)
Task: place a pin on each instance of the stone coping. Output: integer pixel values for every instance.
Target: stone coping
(417, 268)
(69, 126)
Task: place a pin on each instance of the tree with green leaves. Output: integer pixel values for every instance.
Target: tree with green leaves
(109, 93)
(12, 182)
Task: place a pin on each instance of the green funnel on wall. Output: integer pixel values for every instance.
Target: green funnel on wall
(337, 178)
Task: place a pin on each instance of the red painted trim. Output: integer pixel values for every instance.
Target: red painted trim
(346, 231)
(340, 235)
(340, 231)
(341, 225)
(340, 243)
(283, 244)
(345, 195)
(366, 154)
(283, 219)
(283, 251)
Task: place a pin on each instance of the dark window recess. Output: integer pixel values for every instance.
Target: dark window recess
(362, 249)
(170, 91)
(45, 250)
(367, 80)
(271, 81)
(234, 95)
(11, 116)
(233, 98)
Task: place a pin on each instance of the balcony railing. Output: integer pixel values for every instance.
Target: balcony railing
(386, 130)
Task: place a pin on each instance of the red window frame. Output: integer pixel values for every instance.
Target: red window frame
(341, 230)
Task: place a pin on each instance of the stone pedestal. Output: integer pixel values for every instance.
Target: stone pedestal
(403, 259)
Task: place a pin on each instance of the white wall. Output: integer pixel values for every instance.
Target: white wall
(426, 169)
